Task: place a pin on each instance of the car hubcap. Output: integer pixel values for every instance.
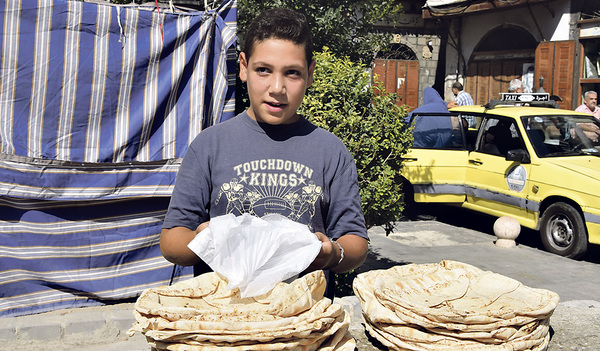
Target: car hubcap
(561, 231)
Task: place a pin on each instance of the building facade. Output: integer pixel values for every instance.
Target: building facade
(540, 42)
(413, 62)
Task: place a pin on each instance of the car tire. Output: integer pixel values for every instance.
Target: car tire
(563, 231)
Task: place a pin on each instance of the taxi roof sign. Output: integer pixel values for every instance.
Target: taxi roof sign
(524, 97)
(533, 103)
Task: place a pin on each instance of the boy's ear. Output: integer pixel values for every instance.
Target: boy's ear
(243, 67)
(311, 70)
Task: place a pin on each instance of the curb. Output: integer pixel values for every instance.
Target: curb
(84, 322)
(101, 322)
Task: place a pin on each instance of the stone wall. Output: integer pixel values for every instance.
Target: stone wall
(427, 55)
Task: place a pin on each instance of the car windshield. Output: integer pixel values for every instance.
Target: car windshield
(563, 135)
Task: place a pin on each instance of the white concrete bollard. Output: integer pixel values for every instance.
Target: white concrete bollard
(507, 229)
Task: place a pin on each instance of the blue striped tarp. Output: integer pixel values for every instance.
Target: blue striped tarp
(98, 103)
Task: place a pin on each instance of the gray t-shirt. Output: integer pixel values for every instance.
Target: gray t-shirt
(242, 166)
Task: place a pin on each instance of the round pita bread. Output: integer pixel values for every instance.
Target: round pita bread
(459, 295)
(453, 306)
(201, 314)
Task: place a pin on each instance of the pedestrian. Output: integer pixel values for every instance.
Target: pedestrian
(430, 131)
(589, 106)
(515, 86)
(270, 159)
(464, 99)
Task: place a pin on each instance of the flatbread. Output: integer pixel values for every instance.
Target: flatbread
(453, 306)
(453, 296)
(395, 343)
(207, 295)
(335, 337)
(202, 314)
(322, 317)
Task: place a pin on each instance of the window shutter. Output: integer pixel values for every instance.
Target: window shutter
(554, 61)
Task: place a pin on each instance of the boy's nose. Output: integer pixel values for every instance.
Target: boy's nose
(277, 85)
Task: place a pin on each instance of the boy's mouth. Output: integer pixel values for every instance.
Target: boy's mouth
(274, 105)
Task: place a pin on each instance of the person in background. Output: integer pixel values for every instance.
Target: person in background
(432, 131)
(589, 106)
(463, 98)
(515, 86)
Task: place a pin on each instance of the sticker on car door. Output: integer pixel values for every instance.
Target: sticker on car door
(516, 178)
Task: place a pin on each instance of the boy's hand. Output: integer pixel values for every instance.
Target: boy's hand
(355, 253)
(328, 256)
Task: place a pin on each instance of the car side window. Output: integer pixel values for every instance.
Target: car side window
(498, 136)
(471, 127)
(437, 132)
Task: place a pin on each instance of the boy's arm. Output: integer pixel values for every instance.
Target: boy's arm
(355, 253)
(173, 245)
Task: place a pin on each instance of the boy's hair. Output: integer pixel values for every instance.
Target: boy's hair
(279, 23)
(457, 85)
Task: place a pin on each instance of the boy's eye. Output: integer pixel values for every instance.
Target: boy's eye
(294, 72)
(262, 70)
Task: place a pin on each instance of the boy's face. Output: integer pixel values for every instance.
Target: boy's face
(277, 76)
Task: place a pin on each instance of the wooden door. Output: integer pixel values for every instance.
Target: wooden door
(400, 77)
(486, 79)
(555, 62)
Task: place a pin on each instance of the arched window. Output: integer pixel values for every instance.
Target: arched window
(397, 51)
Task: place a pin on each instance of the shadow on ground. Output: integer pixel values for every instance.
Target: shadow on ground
(376, 261)
(465, 218)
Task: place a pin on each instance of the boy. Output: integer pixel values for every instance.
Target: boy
(269, 159)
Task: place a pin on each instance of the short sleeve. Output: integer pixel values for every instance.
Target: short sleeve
(190, 200)
(345, 214)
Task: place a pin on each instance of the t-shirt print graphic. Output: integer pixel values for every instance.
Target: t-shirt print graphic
(264, 186)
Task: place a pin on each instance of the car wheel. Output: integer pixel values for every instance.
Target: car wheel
(563, 231)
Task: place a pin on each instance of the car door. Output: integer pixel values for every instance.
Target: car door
(494, 184)
(436, 164)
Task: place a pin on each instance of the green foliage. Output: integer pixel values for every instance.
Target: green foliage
(346, 27)
(343, 283)
(343, 101)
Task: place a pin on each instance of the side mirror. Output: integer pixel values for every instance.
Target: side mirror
(518, 155)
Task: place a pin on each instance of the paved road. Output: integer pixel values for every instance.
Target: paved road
(574, 324)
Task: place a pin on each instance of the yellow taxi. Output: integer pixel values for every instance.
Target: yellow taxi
(540, 165)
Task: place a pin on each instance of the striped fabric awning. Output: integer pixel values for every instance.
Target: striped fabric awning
(98, 104)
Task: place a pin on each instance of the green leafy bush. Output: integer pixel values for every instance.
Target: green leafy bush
(346, 27)
(343, 101)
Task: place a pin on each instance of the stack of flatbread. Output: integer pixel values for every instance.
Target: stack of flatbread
(453, 306)
(202, 314)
